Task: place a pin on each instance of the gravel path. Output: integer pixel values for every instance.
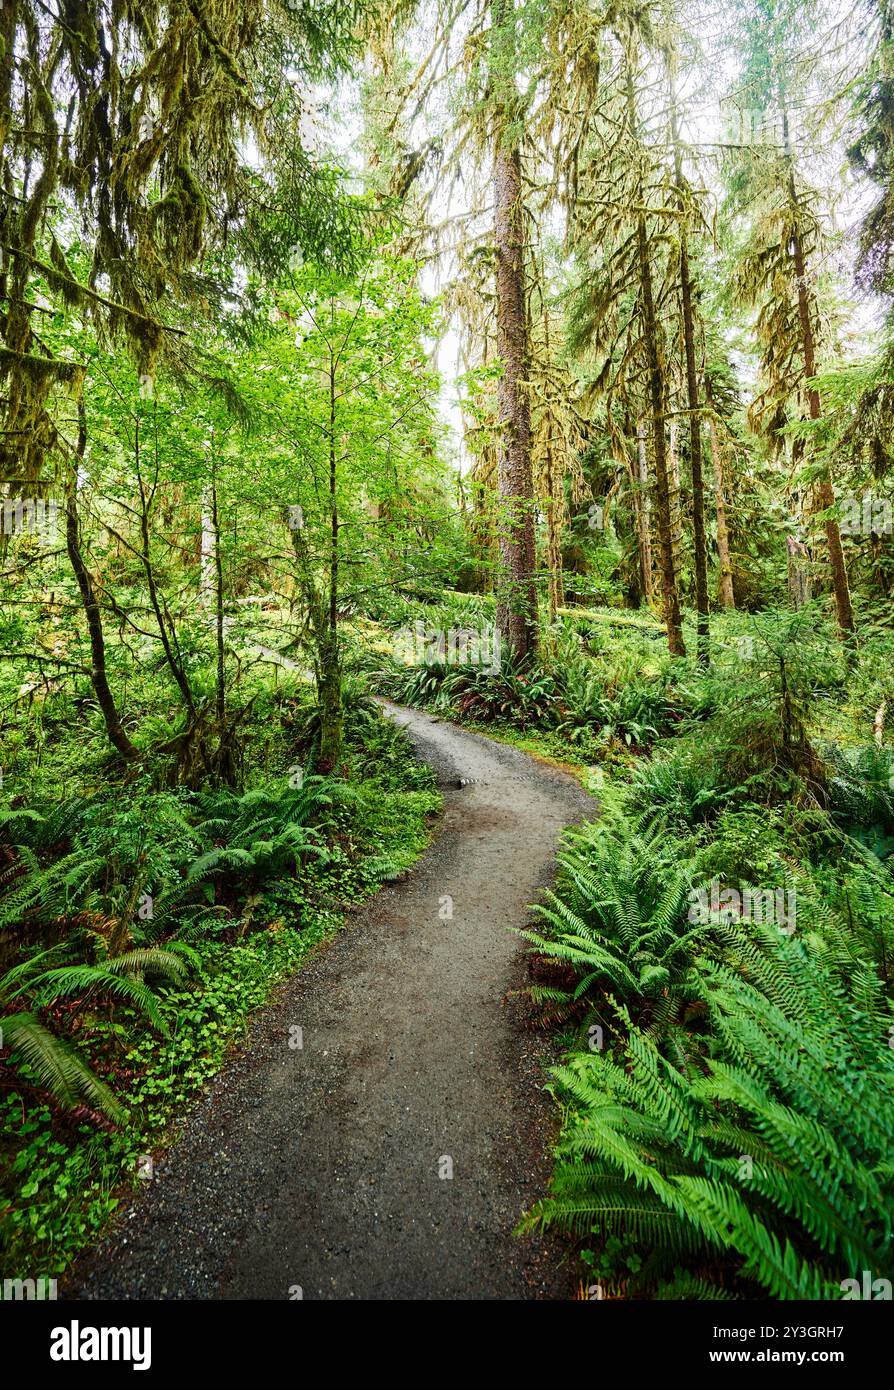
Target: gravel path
(325, 1169)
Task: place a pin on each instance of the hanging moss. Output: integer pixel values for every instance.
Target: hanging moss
(39, 369)
(89, 87)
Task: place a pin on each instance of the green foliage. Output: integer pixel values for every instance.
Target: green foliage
(55, 1066)
(39, 980)
(622, 699)
(527, 696)
(218, 361)
(64, 1178)
(757, 1158)
(617, 917)
(861, 795)
(110, 1020)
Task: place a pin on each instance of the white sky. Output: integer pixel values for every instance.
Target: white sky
(708, 117)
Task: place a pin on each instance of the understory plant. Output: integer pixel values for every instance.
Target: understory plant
(744, 1147)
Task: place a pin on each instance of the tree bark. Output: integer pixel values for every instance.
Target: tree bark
(554, 534)
(225, 762)
(645, 514)
(692, 400)
(676, 495)
(824, 490)
(99, 677)
(657, 396)
(517, 597)
(329, 664)
(553, 500)
(799, 588)
(221, 692)
(727, 593)
(206, 550)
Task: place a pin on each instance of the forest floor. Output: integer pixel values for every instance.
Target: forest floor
(325, 1168)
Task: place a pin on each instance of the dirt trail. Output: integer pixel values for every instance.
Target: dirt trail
(321, 1167)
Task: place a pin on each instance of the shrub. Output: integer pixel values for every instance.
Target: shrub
(761, 1168)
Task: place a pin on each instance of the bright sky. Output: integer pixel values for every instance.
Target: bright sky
(710, 117)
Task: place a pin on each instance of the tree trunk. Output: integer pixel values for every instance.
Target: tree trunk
(225, 763)
(727, 594)
(657, 395)
(645, 514)
(104, 697)
(554, 499)
(206, 552)
(517, 602)
(553, 530)
(692, 401)
(221, 692)
(798, 573)
(676, 495)
(328, 657)
(824, 490)
(331, 711)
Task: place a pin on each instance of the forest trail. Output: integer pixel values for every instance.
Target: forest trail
(320, 1167)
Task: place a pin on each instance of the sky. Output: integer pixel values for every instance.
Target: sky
(707, 100)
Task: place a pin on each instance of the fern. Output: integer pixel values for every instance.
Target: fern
(773, 1159)
(57, 1066)
(618, 917)
(740, 1126)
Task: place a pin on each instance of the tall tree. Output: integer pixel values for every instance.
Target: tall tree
(776, 273)
(123, 137)
(623, 206)
(517, 595)
(727, 592)
(872, 151)
(693, 376)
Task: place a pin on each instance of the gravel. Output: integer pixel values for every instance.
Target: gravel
(324, 1171)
